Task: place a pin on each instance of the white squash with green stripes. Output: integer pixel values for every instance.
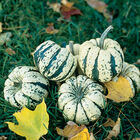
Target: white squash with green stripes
(54, 62)
(132, 73)
(81, 99)
(101, 59)
(25, 86)
(74, 49)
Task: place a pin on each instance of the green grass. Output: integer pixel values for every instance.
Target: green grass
(27, 21)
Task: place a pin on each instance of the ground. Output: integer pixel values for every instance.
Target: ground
(27, 21)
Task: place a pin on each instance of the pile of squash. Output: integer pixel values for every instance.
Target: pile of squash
(81, 68)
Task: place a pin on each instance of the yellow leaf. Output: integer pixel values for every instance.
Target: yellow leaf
(115, 131)
(101, 7)
(0, 27)
(31, 124)
(83, 135)
(120, 90)
(67, 3)
(74, 132)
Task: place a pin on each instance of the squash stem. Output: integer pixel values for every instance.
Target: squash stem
(71, 47)
(103, 36)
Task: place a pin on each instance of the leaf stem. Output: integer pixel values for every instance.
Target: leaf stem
(103, 36)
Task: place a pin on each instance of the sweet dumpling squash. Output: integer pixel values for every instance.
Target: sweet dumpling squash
(25, 86)
(81, 99)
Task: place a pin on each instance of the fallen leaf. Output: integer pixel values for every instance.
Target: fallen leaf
(5, 37)
(98, 5)
(50, 29)
(74, 132)
(68, 12)
(67, 9)
(0, 27)
(3, 138)
(120, 90)
(136, 139)
(67, 3)
(92, 136)
(101, 7)
(55, 6)
(115, 131)
(10, 51)
(83, 135)
(109, 122)
(31, 124)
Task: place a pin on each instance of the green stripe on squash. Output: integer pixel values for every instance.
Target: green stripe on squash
(51, 67)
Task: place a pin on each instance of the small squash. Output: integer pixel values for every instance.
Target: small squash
(81, 99)
(101, 59)
(132, 73)
(54, 62)
(74, 49)
(25, 86)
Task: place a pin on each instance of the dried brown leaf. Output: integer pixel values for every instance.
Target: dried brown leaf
(3, 138)
(71, 130)
(55, 6)
(109, 122)
(10, 51)
(68, 12)
(115, 131)
(101, 7)
(67, 3)
(120, 90)
(67, 9)
(50, 29)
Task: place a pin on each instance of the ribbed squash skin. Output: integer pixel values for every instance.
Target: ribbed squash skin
(76, 48)
(81, 99)
(132, 73)
(54, 62)
(101, 64)
(25, 86)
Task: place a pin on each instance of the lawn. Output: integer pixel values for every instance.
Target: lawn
(28, 20)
